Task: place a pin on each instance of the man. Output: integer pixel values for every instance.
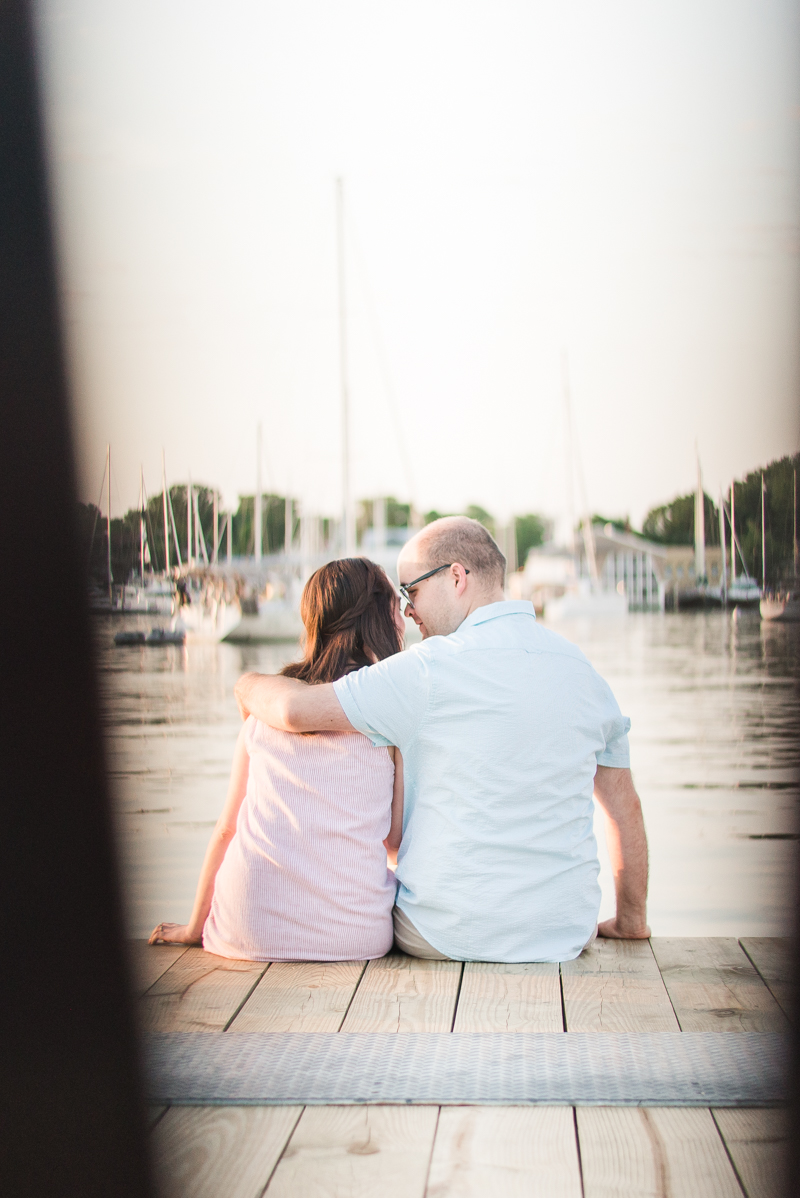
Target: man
(505, 731)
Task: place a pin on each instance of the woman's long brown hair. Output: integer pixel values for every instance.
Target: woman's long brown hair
(348, 612)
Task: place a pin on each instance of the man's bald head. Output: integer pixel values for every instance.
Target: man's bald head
(459, 539)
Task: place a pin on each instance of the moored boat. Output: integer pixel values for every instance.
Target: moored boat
(210, 609)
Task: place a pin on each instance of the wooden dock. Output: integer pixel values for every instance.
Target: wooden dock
(400, 1151)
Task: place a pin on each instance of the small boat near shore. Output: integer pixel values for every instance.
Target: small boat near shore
(156, 636)
(208, 612)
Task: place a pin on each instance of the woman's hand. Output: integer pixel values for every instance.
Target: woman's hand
(174, 933)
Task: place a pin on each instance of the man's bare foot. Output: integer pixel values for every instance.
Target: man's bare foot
(610, 929)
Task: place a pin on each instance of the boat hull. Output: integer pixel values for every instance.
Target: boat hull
(214, 622)
(275, 621)
(580, 606)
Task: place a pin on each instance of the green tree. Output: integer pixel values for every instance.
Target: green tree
(473, 511)
(530, 531)
(779, 516)
(476, 512)
(398, 514)
(273, 525)
(673, 523)
(614, 521)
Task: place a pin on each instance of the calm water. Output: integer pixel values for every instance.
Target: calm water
(712, 699)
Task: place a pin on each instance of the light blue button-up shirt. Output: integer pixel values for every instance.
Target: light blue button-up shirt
(501, 726)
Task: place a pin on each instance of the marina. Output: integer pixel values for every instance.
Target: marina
(325, 263)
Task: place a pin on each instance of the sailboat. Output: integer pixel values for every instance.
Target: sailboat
(744, 590)
(209, 608)
(202, 605)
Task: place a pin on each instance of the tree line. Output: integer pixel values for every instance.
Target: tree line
(669, 524)
(125, 531)
(673, 523)
(530, 529)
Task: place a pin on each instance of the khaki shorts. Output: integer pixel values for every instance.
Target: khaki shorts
(407, 938)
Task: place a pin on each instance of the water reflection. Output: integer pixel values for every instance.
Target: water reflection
(712, 699)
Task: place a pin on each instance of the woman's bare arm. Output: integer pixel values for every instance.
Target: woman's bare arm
(392, 841)
(191, 933)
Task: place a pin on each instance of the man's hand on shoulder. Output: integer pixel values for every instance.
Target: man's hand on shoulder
(614, 929)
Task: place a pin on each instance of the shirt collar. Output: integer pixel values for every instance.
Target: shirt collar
(493, 611)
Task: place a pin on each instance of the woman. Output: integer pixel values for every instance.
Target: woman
(297, 865)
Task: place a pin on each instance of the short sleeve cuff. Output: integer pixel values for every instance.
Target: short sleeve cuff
(351, 710)
(616, 758)
(617, 754)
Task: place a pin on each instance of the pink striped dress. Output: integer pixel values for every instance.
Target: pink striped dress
(305, 877)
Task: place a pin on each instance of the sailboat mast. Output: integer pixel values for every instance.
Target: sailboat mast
(763, 538)
(108, 519)
(141, 522)
(733, 537)
(175, 540)
(794, 525)
(723, 548)
(568, 469)
(257, 531)
(348, 523)
(189, 497)
(288, 525)
(699, 530)
(573, 454)
(216, 526)
(166, 513)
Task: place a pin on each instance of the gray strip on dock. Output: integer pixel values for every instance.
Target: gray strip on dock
(574, 1069)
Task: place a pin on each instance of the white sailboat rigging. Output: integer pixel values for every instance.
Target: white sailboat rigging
(586, 597)
(743, 591)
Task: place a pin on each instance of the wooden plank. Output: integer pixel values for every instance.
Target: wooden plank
(714, 987)
(509, 998)
(758, 1143)
(153, 1114)
(300, 997)
(220, 1152)
(199, 993)
(405, 994)
(615, 986)
(505, 1152)
(656, 1152)
(357, 1152)
(772, 957)
(149, 961)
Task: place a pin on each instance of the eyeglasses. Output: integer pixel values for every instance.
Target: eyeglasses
(409, 602)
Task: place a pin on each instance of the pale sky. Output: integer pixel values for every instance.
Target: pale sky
(616, 179)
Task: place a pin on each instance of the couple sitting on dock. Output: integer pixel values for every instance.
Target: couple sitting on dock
(471, 758)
